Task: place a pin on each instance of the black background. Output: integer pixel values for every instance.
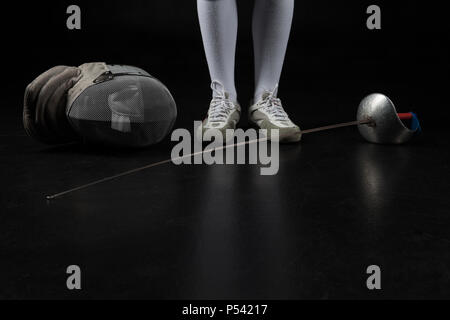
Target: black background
(162, 241)
(333, 60)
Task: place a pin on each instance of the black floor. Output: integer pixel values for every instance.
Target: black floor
(337, 205)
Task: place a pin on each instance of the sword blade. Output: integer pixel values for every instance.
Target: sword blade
(339, 125)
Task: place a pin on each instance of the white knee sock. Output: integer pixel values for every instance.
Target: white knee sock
(272, 21)
(219, 23)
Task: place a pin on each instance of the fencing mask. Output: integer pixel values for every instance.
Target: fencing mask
(108, 104)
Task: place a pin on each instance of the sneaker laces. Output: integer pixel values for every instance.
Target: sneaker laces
(272, 105)
(221, 105)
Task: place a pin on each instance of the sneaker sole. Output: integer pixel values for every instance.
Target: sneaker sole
(289, 137)
(201, 131)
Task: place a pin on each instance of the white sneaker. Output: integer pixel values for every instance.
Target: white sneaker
(268, 113)
(223, 113)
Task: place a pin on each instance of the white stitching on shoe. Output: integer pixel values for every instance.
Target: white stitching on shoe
(272, 105)
(221, 106)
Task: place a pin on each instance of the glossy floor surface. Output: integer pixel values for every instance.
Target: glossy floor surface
(336, 206)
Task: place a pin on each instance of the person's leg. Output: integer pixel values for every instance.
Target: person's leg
(219, 24)
(272, 21)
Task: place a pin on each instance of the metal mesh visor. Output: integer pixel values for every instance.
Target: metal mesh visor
(127, 110)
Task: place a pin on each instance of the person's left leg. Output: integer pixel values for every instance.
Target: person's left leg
(272, 20)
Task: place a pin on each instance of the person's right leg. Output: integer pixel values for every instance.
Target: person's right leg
(219, 24)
